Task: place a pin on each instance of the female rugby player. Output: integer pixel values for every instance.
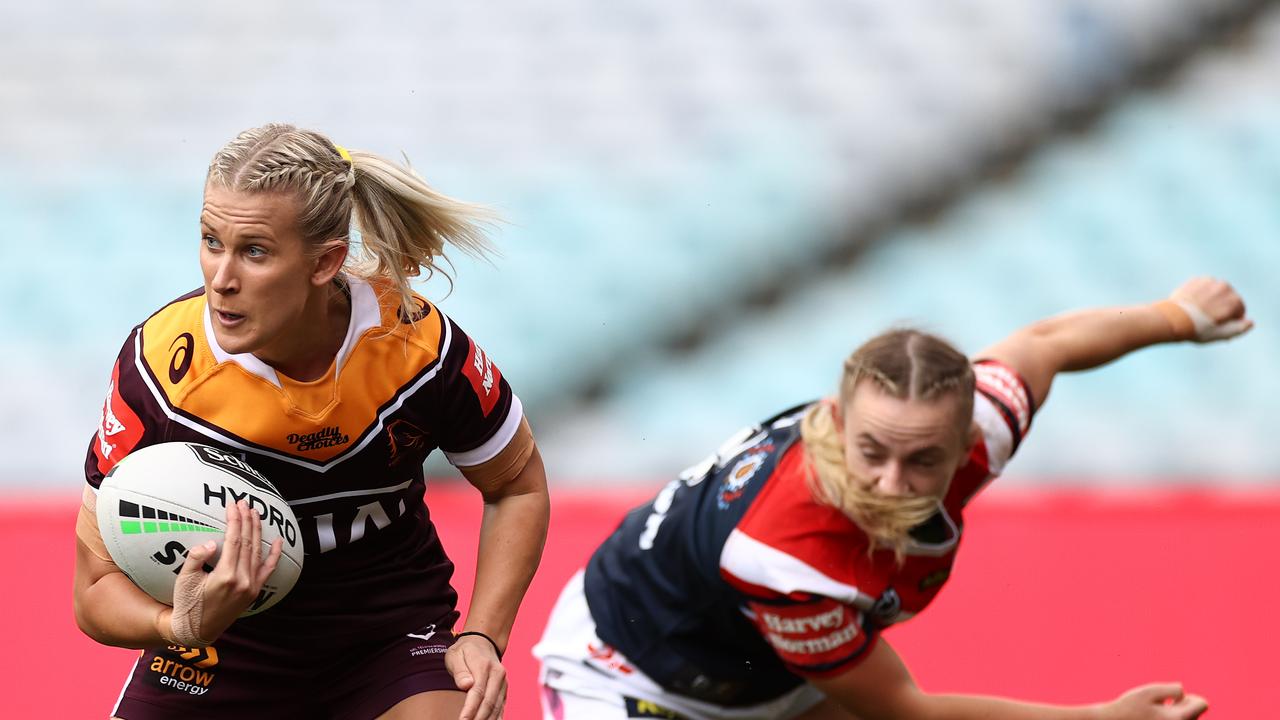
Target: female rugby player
(310, 357)
(758, 583)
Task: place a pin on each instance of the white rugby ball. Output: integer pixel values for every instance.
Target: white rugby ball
(161, 500)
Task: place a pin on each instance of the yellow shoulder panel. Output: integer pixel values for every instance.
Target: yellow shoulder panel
(174, 348)
(315, 420)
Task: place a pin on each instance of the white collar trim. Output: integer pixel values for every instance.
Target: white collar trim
(365, 314)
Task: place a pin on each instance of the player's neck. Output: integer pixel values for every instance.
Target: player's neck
(309, 349)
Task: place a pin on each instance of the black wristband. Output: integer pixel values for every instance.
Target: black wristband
(492, 642)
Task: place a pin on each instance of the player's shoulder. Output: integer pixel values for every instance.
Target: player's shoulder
(169, 344)
(1003, 409)
(183, 314)
(741, 464)
(788, 545)
(384, 327)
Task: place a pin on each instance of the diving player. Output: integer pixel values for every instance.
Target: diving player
(758, 583)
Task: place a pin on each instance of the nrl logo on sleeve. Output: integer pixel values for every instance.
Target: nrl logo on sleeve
(484, 377)
(119, 429)
(111, 425)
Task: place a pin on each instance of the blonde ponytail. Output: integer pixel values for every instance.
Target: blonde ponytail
(403, 223)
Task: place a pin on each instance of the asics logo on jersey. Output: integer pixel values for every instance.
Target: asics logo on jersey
(180, 363)
(328, 437)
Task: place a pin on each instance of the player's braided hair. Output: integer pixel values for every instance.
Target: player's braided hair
(906, 364)
(401, 222)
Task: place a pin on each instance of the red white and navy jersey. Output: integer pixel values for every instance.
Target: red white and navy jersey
(734, 584)
(346, 450)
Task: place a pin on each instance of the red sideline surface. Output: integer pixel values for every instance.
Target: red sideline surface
(1060, 596)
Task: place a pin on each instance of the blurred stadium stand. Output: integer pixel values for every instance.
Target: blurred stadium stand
(1168, 185)
(664, 165)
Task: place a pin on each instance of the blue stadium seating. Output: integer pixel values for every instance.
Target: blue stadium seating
(658, 162)
(1170, 185)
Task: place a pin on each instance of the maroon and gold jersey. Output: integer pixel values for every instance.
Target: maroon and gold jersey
(346, 450)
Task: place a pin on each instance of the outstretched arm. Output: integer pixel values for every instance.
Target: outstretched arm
(1201, 310)
(881, 688)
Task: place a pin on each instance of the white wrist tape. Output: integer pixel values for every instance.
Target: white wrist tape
(1206, 329)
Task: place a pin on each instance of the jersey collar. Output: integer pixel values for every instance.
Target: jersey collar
(365, 314)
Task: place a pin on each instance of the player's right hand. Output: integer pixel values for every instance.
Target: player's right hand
(477, 670)
(206, 603)
(1158, 701)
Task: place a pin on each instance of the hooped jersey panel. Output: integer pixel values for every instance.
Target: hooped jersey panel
(734, 584)
(654, 586)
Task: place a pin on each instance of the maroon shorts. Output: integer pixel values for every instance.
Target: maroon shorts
(245, 678)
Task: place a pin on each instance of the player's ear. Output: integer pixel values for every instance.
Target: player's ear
(328, 262)
(837, 412)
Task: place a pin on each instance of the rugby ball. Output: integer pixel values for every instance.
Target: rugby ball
(162, 499)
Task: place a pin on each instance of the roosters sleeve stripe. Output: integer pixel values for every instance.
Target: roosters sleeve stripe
(747, 560)
(1007, 392)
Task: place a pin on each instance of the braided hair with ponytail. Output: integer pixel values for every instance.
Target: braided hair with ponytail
(402, 223)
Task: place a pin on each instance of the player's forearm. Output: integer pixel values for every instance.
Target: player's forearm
(971, 707)
(113, 611)
(1086, 339)
(881, 688)
(512, 534)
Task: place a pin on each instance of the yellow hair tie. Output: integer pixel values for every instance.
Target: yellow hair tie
(345, 155)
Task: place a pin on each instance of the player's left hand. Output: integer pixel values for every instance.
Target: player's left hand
(477, 671)
(1215, 308)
